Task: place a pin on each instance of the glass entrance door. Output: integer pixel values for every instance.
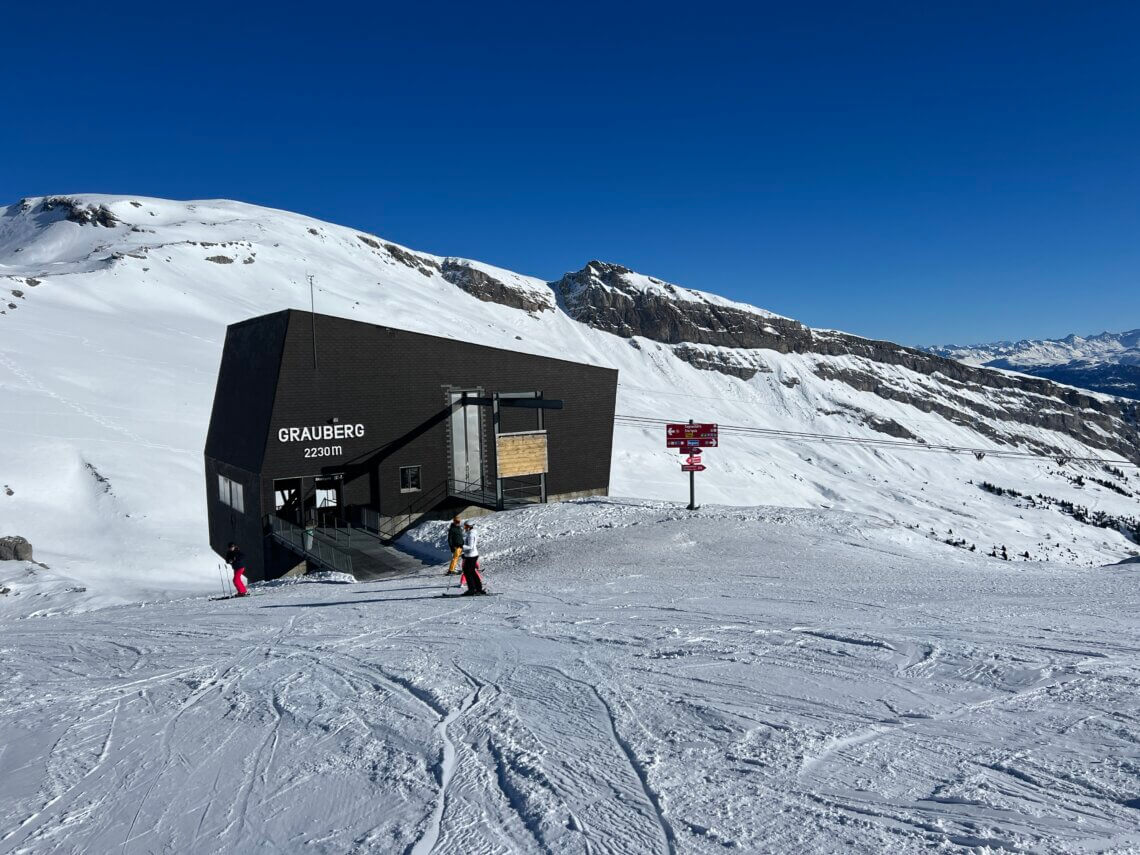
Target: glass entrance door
(466, 446)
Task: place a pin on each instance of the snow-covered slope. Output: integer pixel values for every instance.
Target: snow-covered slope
(1108, 362)
(646, 681)
(115, 308)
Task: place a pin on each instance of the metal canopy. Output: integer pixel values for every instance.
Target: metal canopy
(507, 399)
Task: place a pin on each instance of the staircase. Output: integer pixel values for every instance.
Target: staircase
(371, 557)
(319, 553)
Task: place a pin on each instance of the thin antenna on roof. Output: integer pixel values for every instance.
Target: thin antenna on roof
(313, 317)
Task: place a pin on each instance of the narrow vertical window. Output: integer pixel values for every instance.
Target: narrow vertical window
(231, 493)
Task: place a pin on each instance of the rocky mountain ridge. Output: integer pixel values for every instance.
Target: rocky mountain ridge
(102, 288)
(714, 334)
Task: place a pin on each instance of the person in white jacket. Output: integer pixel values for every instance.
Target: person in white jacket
(471, 560)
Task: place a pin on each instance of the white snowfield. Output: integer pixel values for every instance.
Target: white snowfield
(643, 680)
(111, 336)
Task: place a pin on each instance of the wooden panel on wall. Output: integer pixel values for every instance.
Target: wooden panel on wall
(521, 453)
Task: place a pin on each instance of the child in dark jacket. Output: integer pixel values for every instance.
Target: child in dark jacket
(455, 544)
(236, 560)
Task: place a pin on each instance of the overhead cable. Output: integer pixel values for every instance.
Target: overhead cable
(873, 442)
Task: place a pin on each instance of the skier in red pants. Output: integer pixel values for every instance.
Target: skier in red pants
(236, 560)
(471, 573)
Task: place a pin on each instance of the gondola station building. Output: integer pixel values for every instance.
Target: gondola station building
(328, 434)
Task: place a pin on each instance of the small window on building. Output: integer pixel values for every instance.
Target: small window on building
(410, 479)
(231, 493)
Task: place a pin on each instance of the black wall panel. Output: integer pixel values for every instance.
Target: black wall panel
(394, 384)
(227, 525)
(243, 397)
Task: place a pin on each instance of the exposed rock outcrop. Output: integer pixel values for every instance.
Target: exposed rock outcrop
(99, 215)
(888, 426)
(601, 295)
(15, 548)
(422, 263)
(739, 363)
(484, 286)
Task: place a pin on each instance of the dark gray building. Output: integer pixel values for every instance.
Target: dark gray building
(327, 433)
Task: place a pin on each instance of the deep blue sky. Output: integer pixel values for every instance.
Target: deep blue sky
(915, 171)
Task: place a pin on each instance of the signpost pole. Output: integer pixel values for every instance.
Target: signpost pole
(692, 487)
(692, 439)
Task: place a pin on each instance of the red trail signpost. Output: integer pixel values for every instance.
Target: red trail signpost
(690, 439)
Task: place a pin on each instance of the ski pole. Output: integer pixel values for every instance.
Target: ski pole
(225, 584)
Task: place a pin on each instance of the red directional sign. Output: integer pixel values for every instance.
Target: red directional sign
(691, 445)
(690, 431)
(693, 442)
(689, 439)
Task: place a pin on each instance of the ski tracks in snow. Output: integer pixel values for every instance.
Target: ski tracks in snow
(636, 765)
(665, 713)
(445, 770)
(530, 758)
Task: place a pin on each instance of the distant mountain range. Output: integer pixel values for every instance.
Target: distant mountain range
(1108, 363)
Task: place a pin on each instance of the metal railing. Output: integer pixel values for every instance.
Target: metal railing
(521, 494)
(312, 548)
(515, 494)
(474, 492)
(388, 528)
(339, 532)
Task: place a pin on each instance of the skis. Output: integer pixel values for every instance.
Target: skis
(456, 596)
(230, 597)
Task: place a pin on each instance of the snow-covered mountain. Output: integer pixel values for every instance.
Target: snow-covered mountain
(115, 308)
(1108, 362)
